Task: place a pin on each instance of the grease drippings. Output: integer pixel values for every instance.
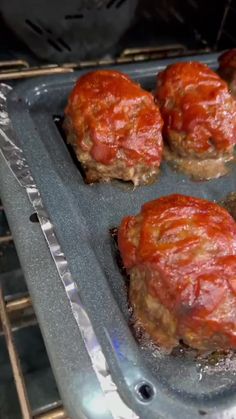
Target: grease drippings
(198, 169)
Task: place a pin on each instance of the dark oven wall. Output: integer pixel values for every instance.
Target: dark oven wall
(59, 31)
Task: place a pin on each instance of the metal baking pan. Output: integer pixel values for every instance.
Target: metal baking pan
(152, 384)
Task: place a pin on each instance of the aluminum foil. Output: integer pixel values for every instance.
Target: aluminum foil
(17, 163)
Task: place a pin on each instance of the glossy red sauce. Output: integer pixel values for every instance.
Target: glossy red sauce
(120, 118)
(195, 103)
(187, 247)
(228, 59)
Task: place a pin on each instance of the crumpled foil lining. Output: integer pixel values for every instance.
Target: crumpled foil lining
(17, 163)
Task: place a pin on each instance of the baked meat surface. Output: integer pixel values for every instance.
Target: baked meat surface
(115, 128)
(199, 117)
(227, 69)
(180, 253)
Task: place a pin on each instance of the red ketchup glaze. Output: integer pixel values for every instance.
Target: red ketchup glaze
(195, 101)
(119, 116)
(228, 59)
(187, 246)
(227, 69)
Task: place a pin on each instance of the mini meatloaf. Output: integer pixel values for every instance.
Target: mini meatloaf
(199, 119)
(180, 253)
(115, 128)
(227, 69)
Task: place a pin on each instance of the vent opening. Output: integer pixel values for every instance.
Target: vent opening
(77, 16)
(145, 392)
(36, 28)
(119, 4)
(110, 3)
(54, 45)
(34, 218)
(64, 44)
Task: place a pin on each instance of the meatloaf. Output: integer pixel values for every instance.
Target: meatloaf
(199, 118)
(180, 254)
(115, 128)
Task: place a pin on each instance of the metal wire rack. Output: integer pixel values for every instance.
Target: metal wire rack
(16, 312)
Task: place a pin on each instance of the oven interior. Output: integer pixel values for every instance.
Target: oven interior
(37, 36)
(58, 33)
